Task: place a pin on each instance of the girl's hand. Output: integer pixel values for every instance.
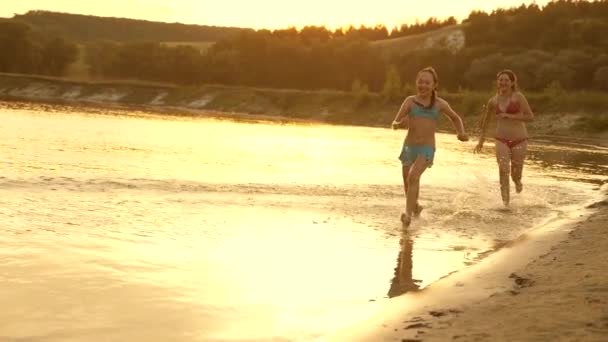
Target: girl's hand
(504, 116)
(396, 124)
(463, 137)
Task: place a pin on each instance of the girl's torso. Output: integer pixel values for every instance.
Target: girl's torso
(422, 124)
(508, 128)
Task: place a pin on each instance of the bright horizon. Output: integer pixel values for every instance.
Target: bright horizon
(269, 14)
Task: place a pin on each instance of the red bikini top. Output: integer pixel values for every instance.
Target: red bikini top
(512, 107)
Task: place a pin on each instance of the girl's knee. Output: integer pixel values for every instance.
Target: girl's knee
(413, 179)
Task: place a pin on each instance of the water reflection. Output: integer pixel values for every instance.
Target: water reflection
(591, 162)
(404, 279)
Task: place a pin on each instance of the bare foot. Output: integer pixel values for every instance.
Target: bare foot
(406, 219)
(519, 187)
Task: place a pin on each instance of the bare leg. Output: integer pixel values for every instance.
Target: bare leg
(413, 185)
(518, 155)
(405, 170)
(503, 157)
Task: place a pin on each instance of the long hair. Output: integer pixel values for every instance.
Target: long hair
(433, 73)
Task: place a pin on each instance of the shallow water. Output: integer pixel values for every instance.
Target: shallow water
(130, 226)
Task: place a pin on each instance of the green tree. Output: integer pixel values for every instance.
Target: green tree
(581, 63)
(101, 57)
(359, 87)
(392, 85)
(553, 73)
(482, 72)
(526, 65)
(57, 55)
(600, 78)
(18, 51)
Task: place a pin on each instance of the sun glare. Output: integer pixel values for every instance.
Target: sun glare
(271, 14)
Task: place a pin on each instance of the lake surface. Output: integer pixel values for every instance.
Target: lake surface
(118, 225)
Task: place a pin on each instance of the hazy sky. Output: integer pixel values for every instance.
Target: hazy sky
(266, 13)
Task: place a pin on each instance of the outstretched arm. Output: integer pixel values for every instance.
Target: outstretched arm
(401, 117)
(455, 119)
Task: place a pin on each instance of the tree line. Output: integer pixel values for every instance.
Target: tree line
(27, 51)
(559, 46)
(430, 25)
(89, 28)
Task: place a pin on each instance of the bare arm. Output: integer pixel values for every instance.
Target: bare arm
(485, 120)
(401, 117)
(455, 119)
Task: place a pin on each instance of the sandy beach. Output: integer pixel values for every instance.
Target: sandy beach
(550, 287)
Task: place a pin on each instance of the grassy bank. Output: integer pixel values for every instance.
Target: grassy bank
(558, 112)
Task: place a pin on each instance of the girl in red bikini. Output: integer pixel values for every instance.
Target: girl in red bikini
(512, 111)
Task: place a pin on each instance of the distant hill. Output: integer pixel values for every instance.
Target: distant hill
(88, 28)
(451, 37)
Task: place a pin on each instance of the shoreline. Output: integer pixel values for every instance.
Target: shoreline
(284, 105)
(184, 112)
(165, 111)
(545, 285)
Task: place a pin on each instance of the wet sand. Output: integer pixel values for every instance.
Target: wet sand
(550, 287)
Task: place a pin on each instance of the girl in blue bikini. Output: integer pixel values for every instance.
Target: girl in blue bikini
(419, 114)
(512, 111)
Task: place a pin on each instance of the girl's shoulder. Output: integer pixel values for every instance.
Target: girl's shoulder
(518, 95)
(492, 101)
(441, 102)
(410, 98)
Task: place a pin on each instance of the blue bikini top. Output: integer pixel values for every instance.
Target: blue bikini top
(419, 110)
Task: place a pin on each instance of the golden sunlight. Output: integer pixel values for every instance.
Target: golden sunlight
(271, 14)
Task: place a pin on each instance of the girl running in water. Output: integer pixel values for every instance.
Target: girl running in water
(512, 111)
(419, 114)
